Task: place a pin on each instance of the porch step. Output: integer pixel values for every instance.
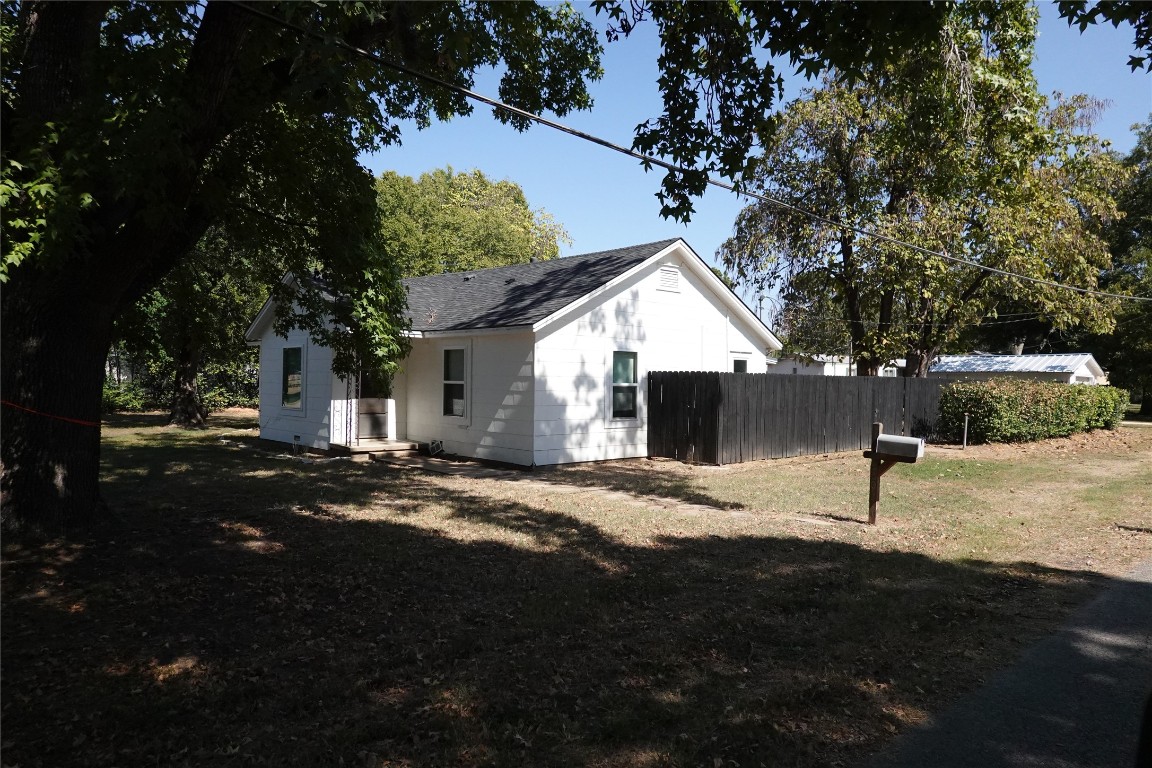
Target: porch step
(395, 457)
(382, 447)
(393, 453)
(389, 446)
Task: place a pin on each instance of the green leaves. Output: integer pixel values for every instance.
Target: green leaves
(1018, 410)
(719, 79)
(42, 210)
(950, 149)
(450, 222)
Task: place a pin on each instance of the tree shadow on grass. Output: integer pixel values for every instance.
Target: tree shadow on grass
(231, 418)
(638, 477)
(246, 613)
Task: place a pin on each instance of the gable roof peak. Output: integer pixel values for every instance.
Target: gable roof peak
(517, 294)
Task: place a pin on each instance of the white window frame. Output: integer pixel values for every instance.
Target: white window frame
(613, 419)
(737, 357)
(300, 410)
(466, 348)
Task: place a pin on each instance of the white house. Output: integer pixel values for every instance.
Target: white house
(1074, 368)
(532, 364)
(828, 365)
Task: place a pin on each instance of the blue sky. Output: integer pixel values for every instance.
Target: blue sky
(605, 200)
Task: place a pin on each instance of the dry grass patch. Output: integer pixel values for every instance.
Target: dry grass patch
(253, 609)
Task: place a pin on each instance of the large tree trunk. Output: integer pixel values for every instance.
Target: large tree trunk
(187, 409)
(57, 309)
(916, 364)
(54, 345)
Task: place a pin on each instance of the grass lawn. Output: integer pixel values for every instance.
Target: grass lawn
(1135, 415)
(252, 609)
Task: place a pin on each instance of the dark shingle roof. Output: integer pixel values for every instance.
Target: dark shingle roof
(519, 295)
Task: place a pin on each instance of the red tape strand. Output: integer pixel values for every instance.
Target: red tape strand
(81, 422)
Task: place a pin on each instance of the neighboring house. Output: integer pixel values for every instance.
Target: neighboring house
(1074, 368)
(827, 365)
(532, 364)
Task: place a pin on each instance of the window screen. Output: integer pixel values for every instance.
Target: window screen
(739, 366)
(454, 371)
(293, 384)
(624, 385)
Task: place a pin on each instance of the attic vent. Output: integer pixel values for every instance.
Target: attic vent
(669, 279)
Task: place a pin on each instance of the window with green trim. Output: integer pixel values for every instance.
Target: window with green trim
(625, 385)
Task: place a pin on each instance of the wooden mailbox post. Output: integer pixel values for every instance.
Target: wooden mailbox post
(887, 451)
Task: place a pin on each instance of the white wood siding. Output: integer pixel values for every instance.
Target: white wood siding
(687, 330)
(1059, 378)
(400, 396)
(311, 422)
(499, 397)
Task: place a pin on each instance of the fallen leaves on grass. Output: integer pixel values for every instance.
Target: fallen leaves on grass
(252, 611)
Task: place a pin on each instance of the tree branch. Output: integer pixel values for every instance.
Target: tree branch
(60, 38)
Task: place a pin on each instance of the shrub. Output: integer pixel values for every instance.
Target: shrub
(219, 398)
(129, 396)
(1017, 410)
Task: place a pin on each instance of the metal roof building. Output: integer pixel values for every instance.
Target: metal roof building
(1072, 368)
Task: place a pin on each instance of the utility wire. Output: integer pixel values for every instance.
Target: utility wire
(652, 160)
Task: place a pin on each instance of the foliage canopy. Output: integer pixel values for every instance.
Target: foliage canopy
(450, 222)
(952, 150)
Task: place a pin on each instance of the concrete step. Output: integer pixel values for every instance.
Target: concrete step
(394, 454)
(382, 446)
(390, 447)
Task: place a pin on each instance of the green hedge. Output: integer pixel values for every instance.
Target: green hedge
(219, 398)
(129, 396)
(1015, 410)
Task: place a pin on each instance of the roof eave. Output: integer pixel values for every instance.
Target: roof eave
(269, 307)
(503, 329)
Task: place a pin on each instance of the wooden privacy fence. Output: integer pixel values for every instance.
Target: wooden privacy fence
(726, 418)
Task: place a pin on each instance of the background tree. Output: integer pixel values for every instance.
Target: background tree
(1125, 352)
(811, 323)
(450, 222)
(195, 320)
(950, 149)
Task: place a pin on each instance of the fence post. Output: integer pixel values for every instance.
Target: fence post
(874, 475)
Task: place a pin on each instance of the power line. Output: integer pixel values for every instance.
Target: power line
(652, 160)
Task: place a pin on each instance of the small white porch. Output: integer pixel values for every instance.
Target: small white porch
(366, 424)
